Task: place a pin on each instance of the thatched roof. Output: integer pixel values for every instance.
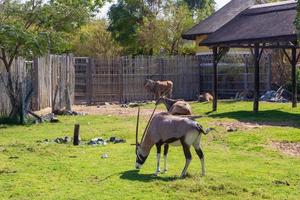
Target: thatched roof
(218, 19)
(272, 22)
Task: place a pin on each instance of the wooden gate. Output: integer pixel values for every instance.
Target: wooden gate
(82, 73)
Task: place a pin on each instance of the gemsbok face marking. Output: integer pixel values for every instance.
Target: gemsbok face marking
(165, 129)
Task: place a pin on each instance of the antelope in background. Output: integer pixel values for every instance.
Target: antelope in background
(159, 88)
(175, 107)
(165, 128)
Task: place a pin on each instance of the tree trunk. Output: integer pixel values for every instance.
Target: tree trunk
(13, 91)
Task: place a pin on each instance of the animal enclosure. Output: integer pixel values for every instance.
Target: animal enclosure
(121, 79)
(235, 74)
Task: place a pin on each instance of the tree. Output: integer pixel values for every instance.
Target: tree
(125, 17)
(93, 40)
(35, 27)
(178, 20)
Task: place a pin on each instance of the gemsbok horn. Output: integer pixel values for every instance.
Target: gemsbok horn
(164, 129)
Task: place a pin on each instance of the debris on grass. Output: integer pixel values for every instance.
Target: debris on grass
(274, 96)
(13, 157)
(7, 171)
(100, 141)
(94, 142)
(63, 140)
(67, 112)
(235, 126)
(231, 129)
(104, 156)
(116, 140)
(2, 149)
(97, 141)
(136, 104)
(289, 148)
(278, 182)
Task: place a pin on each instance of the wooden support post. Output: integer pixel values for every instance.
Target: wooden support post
(256, 78)
(246, 81)
(54, 99)
(215, 78)
(294, 77)
(76, 135)
(67, 98)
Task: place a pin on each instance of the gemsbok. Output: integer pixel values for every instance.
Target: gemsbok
(165, 128)
(175, 107)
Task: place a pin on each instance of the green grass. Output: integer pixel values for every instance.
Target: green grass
(240, 165)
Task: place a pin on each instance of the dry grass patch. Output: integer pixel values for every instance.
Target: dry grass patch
(289, 148)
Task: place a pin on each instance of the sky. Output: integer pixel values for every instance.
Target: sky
(105, 8)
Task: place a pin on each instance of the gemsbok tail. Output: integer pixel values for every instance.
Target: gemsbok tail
(205, 132)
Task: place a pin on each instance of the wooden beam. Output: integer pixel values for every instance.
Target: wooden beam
(256, 78)
(288, 57)
(294, 77)
(261, 46)
(215, 78)
(298, 57)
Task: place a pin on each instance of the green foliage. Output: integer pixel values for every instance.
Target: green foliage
(125, 18)
(201, 9)
(31, 28)
(93, 40)
(240, 165)
(155, 25)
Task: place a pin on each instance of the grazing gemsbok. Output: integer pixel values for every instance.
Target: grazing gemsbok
(165, 128)
(175, 107)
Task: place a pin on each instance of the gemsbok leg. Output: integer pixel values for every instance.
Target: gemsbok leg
(158, 147)
(166, 149)
(201, 157)
(188, 157)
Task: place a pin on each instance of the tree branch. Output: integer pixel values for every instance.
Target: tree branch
(7, 67)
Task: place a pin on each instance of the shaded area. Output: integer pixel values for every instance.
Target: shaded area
(268, 117)
(134, 175)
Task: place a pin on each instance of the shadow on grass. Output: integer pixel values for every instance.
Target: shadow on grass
(134, 175)
(268, 117)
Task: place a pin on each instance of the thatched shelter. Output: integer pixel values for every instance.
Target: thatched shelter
(258, 27)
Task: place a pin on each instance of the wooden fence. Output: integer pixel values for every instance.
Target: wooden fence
(21, 68)
(44, 74)
(122, 79)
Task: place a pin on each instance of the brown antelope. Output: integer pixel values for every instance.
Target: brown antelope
(165, 128)
(159, 88)
(205, 97)
(175, 107)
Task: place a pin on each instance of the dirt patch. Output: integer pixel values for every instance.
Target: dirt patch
(289, 148)
(235, 126)
(114, 110)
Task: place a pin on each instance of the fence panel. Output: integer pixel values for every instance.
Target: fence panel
(235, 74)
(122, 79)
(44, 74)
